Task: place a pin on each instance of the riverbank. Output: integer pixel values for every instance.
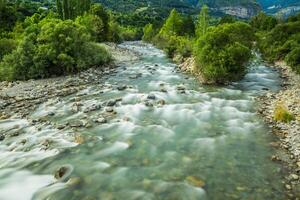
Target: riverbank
(19, 98)
(288, 133)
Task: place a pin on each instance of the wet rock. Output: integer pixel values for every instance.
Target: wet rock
(148, 104)
(288, 187)
(151, 97)
(122, 87)
(162, 102)
(294, 176)
(74, 181)
(76, 124)
(61, 126)
(197, 182)
(109, 110)
(2, 137)
(163, 90)
(101, 120)
(63, 172)
(111, 103)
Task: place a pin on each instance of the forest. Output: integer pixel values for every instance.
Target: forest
(39, 43)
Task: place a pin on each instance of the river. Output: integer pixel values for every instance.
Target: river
(150, 132)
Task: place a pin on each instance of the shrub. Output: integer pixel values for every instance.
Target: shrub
(282, 114)
(6, 46)
(221, 54)
(293, 59)
(149, 33)
(52, 47)
(93, 24)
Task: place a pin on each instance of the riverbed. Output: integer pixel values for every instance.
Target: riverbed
(146, 131)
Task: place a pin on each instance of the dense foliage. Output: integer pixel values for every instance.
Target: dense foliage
(283, 43)
(222, 53)
(52, 47)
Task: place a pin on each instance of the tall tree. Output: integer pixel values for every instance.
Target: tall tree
(203, 20)
(173, 24)
(70, 9)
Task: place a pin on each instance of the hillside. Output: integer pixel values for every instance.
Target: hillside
(239, 8)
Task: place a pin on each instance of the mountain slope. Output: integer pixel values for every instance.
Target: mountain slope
(239, 8)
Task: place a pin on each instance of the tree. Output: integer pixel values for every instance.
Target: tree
(203, 20)
(188, 26)
(173, 24)
(221, 54)
(70, 9)
(98, 10)
(149, 33)
(263, 22)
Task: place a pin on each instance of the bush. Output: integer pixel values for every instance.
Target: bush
(52, 47)
(94, 26)
(282, 43)
(221, 54)
(282, 114)
(293, 59)
(6, 46)
(149, 33)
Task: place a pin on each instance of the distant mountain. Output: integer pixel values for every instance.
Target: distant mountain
(280, 7)
(239, 8)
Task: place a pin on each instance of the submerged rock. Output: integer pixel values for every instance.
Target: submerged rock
(63, 172)
(122, 87)
(193, 180)
(2, 137)
(111, 103)
(151, 97)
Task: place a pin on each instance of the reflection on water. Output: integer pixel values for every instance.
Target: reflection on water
(164, 137)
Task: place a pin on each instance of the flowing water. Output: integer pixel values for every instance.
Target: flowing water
(170, 138)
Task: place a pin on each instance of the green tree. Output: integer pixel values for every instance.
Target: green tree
(70, 9)
(221, 54)
(149, 33)
(202, 23)
(98, 10)
(173, 24)
(188, 26)
(52, 47)
(263, 22)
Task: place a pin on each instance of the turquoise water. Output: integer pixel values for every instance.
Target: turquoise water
(170, 138)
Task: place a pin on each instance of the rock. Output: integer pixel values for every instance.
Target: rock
(2, 137)
(63, 172)
(122, 87)
(195, 181)
(180, 88)
(148, 104)
(101, 120)
(162, 102)
(61, 126)
(76, 124)
(109, 109)
(288, 187)
(294, 176)
(111, 103)
(163, 90)
(151, 97)
(74, 181)
(51, 114)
